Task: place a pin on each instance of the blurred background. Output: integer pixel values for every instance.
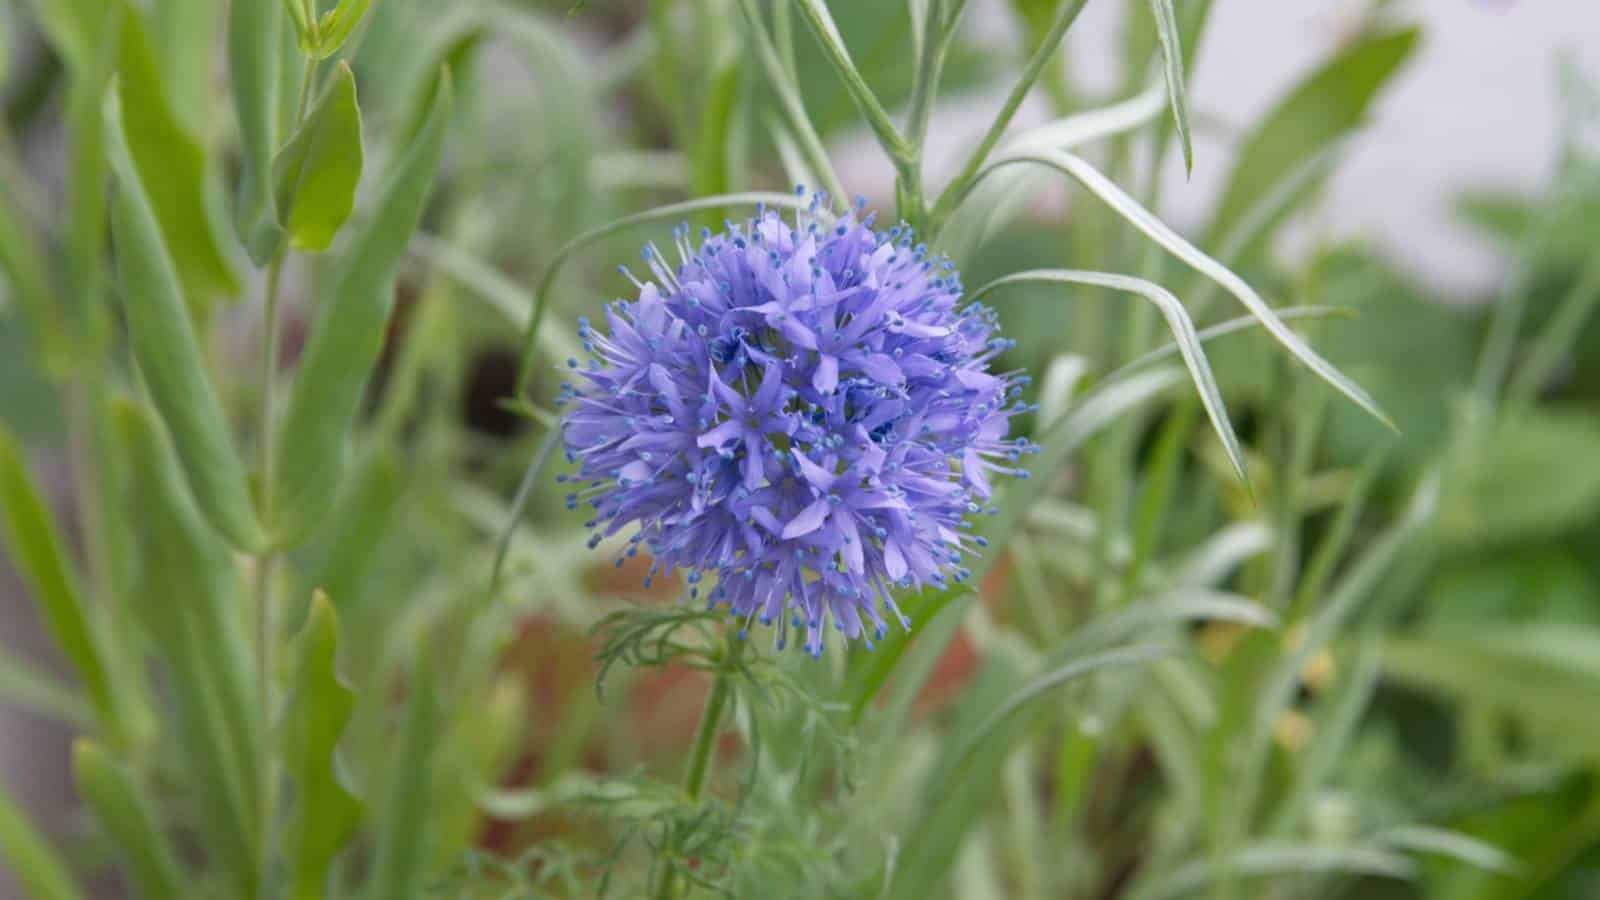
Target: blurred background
(1491, 121)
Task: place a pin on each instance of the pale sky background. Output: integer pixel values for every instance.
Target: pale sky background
(1478, 104)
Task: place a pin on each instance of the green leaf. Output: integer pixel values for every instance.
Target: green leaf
(315, 174)
(255, 32)
(1043, 683)
(1528, 479)
(348, 335)
(36, 865)
(400, 857)
(87, 167)
(69, 27)
(710, 169)
(1327, 106)
(337, 24)
(1183, 332)
(1544, 676)
(24, 688)
(185, 32)
(187, 601)
(1263, 859)
(950, 808)
(128, 820)
(325, 815)
(168, 352)
(28, 280)
(1172, 63)
(827, 34)
(35, 543)
(1163, 235)
(172, 167)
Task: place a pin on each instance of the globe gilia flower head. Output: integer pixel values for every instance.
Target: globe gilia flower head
(802, 411)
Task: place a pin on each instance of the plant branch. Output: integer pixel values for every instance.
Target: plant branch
(1066, 14)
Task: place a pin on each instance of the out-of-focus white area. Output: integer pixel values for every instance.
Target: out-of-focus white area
(1477, 105)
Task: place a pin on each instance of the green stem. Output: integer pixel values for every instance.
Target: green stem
(1556, 337)
(705, 746)
(1065, 16)
(694, 778)
(794, 107)
(266, 561)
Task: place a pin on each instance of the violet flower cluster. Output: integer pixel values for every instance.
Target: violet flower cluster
(802, 411)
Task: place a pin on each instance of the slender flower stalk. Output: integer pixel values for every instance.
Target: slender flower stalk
(705, 744)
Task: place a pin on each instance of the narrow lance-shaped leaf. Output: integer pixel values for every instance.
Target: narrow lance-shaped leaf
(1158, 231)
(1183, 331)
(35, 544)
(1172, 64)
(87, 167)
(347, 337)
(325, 814)
(24, 688)
(171, 164)
(337, 24)
(168, 353)
(255, 30)
(402, 841)
(69, 27)
(315, 175)
(128, 820)
(184, 31)
(37, 866)
(28, 282)
(186, 602)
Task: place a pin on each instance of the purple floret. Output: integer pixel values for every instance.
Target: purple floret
(802, 411)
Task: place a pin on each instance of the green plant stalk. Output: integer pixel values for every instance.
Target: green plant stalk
(789, 97)
(866, 101)
(1066, 14)
(705, 743)
(1505, 319)
(266, 561)
(1557, 336)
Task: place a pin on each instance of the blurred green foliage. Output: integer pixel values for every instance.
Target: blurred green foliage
(333, 634)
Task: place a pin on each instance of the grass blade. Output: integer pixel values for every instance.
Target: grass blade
(169, 356)
(128, 820)
(1173, 243)
(827, 34)
(1048, 681)
(1183, 332)
(187, 603)
(36, 545)
(1280, 859)
(255, 29)
(1172, 63)
(172, 167)
(348, 336)
(1454, 844)
(39, 694)
(36, 865)
(399, 860)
